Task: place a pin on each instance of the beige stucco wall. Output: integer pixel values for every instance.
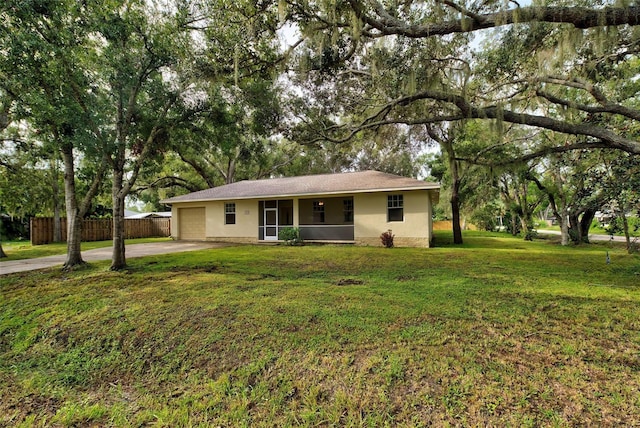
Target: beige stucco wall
(246, 220)
(370, 212)
(245, 229)
(370, 215)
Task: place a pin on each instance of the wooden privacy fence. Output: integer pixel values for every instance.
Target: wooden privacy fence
(100, 229)
(448, 225)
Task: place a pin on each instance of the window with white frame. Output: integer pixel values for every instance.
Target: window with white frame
(395, 208)
(230, 213)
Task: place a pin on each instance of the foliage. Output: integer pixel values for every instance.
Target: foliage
(485, 217)
(385, 64)
(615, 226)
(511, 224)
(387, 239)
(25, 186)
(213, 88)
(531, 234)
(263, 336)
(14, 228)
(290, 236)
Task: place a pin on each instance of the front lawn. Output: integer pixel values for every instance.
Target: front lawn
(501, 332)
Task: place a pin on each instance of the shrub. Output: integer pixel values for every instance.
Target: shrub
(387, 239)
(290, 236)
(615, 226)
(531, 234)
(486, 217)
(511, 223)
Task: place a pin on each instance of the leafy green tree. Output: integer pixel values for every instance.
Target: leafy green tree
(47, 47)
(521, 197)
(622, 184)
(162, 180)
(5, 120)
(143, 50)
(447, 139)
(536, 46)
(238, 134)
(563, 69)
(470, 184)
(27, 186)
(573, 183)
(232, 137)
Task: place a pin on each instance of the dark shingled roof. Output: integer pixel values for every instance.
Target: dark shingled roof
(349, 182)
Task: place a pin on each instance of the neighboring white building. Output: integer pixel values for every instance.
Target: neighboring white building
(134, 215)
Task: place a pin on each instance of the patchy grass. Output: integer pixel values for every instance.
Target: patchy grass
(20, 250)
(501, 332)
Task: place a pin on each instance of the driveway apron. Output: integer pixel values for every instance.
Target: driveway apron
(132, 251)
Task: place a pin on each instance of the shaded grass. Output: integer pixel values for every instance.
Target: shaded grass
(20, 250)
(500, 332)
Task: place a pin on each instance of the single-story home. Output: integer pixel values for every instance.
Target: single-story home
(353, 207)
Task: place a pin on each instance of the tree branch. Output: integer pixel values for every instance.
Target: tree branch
(538, 154)
(170, 182)
(365, 125)
(611, 139)
(579, 17)
(606, 108)
(198, 168)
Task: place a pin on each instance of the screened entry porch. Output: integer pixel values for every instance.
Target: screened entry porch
(319, 219)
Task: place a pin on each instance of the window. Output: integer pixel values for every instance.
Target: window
(395, 210)
(230, 213)
(318, 212)
(348, 210)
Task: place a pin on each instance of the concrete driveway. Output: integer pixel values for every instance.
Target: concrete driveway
(134, 250)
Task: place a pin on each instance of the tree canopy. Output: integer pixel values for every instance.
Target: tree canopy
(565, 69)
(184, 95)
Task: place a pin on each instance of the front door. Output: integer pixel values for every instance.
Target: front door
(270, 222)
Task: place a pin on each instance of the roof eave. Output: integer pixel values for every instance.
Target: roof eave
(293, 195)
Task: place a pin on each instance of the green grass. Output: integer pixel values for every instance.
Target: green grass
(20, 250)
(500, 332)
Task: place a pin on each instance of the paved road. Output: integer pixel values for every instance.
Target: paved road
(134, 250)
(592, 237)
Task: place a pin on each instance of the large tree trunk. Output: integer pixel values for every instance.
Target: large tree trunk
(514, 221)
(455, 191)
(2, 253)
(564, 228)
(57, 226)
(74, 219)
(446, 143)
(625, 229)
(561, 216)
(526, 219)
(231, 172)
(526, 230)
(574, 224)
(118, 259)
(455, 212)
(585, 223)
(455, 199)
(520, 189)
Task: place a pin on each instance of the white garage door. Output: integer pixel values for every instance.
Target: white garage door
(191, 223)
